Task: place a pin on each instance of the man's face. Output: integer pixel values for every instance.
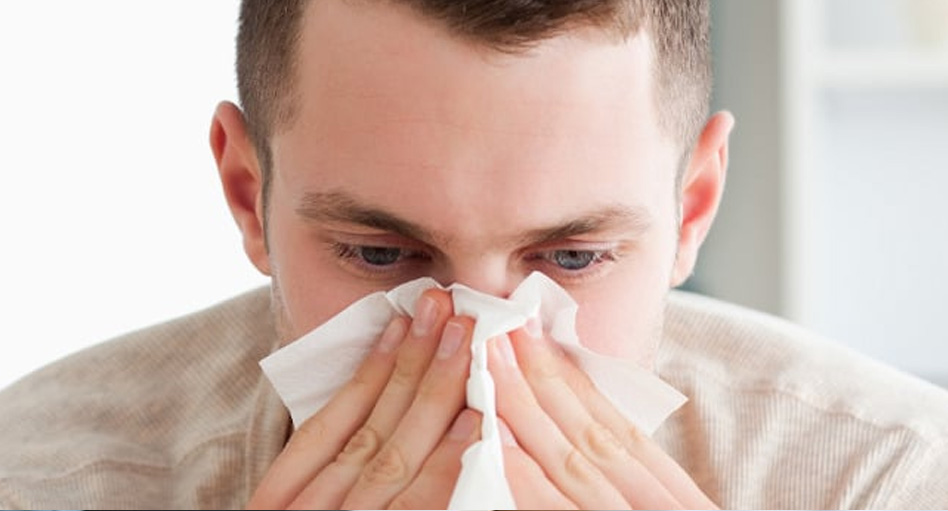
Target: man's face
(417, 154)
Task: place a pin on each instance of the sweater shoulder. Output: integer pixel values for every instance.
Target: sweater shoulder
(138, 407)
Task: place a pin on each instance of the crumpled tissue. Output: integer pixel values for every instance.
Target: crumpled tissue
(309, 371)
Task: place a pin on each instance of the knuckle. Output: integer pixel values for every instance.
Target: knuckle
(635, 436)
(361, 447)
(439, 390)
(600, 442)
(409, 499)
(430, 392)
(361, 379)
(405, 373)
(579, 468)
(387, 468)
(545, 370)
(313, 432)
(542, 366)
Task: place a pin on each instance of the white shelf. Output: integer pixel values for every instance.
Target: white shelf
(875, 69)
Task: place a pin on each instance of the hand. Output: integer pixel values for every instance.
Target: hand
(383, 439)
(570, 446)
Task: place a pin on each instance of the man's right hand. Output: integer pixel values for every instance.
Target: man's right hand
(386, 438)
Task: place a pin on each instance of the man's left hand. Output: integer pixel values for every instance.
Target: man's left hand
(570, 446)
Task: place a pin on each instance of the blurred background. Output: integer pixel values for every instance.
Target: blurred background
(113, 218)
(834, 212)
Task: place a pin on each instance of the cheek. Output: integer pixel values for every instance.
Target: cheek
(625, 325)
(623, 315)
(309, 285)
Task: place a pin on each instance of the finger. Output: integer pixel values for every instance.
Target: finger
(565, 465)
(432, 311)
(434, 484)
(544, 371)
(317, 441)
(530, 487)
(439, 399)
(330, 486)
(536, 352)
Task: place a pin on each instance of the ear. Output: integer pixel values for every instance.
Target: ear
(240, 175)
(701, 189)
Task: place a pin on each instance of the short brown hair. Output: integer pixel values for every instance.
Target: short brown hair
(270, 30)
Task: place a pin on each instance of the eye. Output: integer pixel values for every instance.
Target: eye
(575, 263)
(374, 259)
(379, 256)
(574, 260)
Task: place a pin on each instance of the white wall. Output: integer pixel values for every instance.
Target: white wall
(111, 214)
(878, 175)
(880, 282)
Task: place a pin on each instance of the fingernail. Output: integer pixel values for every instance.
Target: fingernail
(450, 340)
(426, 312)
(534, 328)
(463, 426)
(506, 351)
(392, 336)
(506, 436)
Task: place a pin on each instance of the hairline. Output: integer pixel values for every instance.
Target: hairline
(285, 114)
(282, 113)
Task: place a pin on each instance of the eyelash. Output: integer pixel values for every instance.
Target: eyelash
(599, 257)
(353, 255)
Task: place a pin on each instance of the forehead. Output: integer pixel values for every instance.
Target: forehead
(396, 111)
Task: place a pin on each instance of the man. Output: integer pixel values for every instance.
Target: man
(473, 142)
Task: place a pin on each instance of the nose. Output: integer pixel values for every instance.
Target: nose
(492, 276)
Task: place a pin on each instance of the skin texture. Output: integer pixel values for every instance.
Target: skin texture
(471, 166)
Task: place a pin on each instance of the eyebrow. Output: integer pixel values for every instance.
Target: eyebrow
(633, 221)
(341, 207)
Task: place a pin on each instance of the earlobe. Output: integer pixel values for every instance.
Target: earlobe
(701, 190)
(241, 180)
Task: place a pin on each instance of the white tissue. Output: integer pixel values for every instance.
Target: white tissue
(308, 372)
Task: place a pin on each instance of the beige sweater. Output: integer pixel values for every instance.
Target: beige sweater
(180, 416)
